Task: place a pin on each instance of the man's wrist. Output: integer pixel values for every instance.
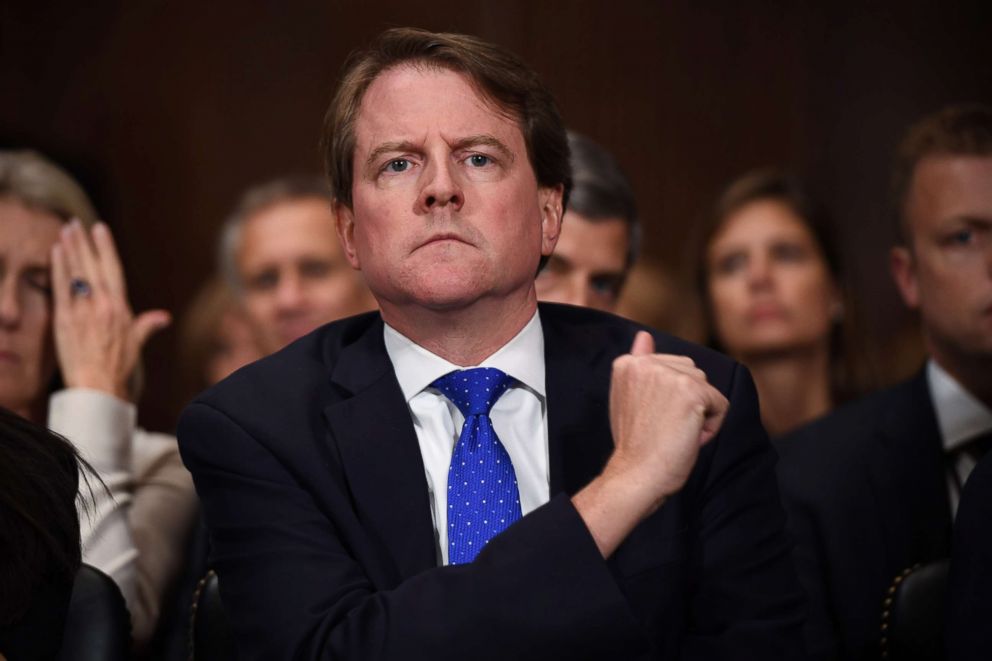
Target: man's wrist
(613, 504)
(635, 484)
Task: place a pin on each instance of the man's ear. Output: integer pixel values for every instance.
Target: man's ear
(344, 221)
(903, 268)
(552, 211)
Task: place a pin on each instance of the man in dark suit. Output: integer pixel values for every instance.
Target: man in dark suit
(871, 489)
(560, 498)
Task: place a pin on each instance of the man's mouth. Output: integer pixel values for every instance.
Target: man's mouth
(444, 236)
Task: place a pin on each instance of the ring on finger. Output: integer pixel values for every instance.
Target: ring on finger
(78, 287)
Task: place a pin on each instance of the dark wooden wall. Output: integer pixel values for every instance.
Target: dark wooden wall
(166, 110)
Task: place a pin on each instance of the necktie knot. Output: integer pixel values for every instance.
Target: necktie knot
(474, 391)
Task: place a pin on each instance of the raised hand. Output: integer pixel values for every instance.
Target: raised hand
(662, 410)
(97, 337)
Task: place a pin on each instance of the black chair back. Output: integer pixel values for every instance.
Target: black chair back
(913, 614)
(210, 632)
(98, 625)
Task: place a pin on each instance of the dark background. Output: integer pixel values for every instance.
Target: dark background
(166, 110)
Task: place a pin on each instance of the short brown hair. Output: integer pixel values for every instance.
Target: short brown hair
(499, 76)
(262, 196)
(601, 190)
(964, 130)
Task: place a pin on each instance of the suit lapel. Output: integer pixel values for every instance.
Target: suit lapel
(380, 454)
(907, 473)
(577, 365)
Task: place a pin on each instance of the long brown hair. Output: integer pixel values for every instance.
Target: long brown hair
(852, 371)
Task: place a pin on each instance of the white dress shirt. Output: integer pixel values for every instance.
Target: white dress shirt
(960, 417)
(520, 416)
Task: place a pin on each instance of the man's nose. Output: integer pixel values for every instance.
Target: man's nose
(289, 294)
(441, 187)
(10, 304)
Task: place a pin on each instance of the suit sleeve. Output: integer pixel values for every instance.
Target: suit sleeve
(820, 631)
(748, 603)
(293, 589)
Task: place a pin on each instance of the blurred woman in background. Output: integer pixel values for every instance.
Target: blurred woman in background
(69, 353)
(215, 338)
(771, 285)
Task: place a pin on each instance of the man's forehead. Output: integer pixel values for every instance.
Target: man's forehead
(409, 102)
(947, 185)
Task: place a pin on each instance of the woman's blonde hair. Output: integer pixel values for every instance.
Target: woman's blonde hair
(40, 184)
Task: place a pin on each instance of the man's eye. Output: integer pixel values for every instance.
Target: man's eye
(314, 268)
(263, 281)
(479, 160)
(398, 165)
(607, 285)
(961, 237)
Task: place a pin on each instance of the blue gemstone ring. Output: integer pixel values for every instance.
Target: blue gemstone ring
(80, 287)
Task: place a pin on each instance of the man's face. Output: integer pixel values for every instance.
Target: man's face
(446, 208)
(27, 356)
(294, 273)
(589, 263)
(947, 274)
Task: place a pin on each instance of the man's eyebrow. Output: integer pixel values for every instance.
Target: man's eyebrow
(387, 147)
(488, 141)
(463, 143)
(555, 258)
(974, 219)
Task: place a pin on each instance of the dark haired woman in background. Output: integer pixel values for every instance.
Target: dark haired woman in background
(770, 280)
(39, 537)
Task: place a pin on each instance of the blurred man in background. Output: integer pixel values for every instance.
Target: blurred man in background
(600, 236)
(281, 255)
(871, 489)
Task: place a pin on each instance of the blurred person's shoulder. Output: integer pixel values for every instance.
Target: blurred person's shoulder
(837, 446)
(595, 331)
(299, 375)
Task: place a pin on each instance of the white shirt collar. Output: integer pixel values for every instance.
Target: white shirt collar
(416, 367)
(960, 415)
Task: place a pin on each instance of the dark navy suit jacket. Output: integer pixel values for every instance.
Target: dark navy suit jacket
(314, 491)
(865, 489)
(968, 635)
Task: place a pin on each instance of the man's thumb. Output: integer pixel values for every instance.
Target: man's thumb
(643, 344)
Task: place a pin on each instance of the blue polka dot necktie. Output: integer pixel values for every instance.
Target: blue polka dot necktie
(483, 498)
